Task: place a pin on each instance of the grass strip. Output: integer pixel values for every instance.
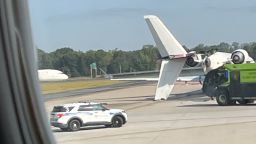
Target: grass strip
(62, 86)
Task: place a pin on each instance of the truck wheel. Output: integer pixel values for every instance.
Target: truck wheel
(242, 102)
(232, 102)
(117, 121)
(222, 98)
(74, 125)
(250, 101)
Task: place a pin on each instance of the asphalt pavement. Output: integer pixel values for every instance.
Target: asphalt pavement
(187, 117)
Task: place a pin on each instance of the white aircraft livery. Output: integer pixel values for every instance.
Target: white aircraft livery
(174, 57)
(51, 75)
(173, 54)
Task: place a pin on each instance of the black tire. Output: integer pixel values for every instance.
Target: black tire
(64, 129)
(250, 101)
(244, 102)
(222, 98)
(108, 125)
(74, 125)
(232, 102)
(117, 121)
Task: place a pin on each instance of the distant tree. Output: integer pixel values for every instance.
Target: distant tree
(120, 62)
(252, 51)
(103, 59)
(82, 65)
(44, 60)
(224, 47)
(66, 59)
(235, 46)
(199, 47)
(186, 48)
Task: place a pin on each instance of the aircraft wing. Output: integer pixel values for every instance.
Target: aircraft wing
(136, 79)
(182, 78)
(199, 78)
(186, 73)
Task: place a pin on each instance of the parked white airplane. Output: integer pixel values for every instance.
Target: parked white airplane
(51, 75)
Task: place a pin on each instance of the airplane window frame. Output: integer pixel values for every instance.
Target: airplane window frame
(21, 102)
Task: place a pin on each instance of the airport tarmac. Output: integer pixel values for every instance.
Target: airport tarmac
(187, 117)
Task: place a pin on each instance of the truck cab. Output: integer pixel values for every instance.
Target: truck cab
(238, 84)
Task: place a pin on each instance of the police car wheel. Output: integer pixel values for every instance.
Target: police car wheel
(222, 98)
(108, 125)
(64, 129)
(74, 125)
(117, 121)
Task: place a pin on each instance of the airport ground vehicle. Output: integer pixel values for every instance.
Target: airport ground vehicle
(70, 117)
(237, 83)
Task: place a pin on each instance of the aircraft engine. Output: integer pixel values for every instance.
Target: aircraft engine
(191, 61)
(239, 56)
(207, 62)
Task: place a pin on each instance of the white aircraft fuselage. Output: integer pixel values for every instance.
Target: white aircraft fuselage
(51, 75)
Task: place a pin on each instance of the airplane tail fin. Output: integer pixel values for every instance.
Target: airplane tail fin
(169, 48)
(170, 70)
(165, 41)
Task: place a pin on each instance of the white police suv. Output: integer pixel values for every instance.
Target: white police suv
(70, 117)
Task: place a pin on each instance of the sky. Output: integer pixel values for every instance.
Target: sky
(108, 24)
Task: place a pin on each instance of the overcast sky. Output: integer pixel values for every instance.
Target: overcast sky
(109, 24)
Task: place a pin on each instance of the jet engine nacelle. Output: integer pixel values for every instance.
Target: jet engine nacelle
(240, 56)
(193, 59)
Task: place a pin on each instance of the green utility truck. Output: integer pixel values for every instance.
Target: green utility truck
(238, 84)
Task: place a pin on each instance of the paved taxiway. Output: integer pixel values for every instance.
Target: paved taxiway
(187, 117)
(92, 90)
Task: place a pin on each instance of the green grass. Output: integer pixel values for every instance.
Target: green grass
(55, 87)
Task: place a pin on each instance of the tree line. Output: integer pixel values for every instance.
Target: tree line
(77, 63)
